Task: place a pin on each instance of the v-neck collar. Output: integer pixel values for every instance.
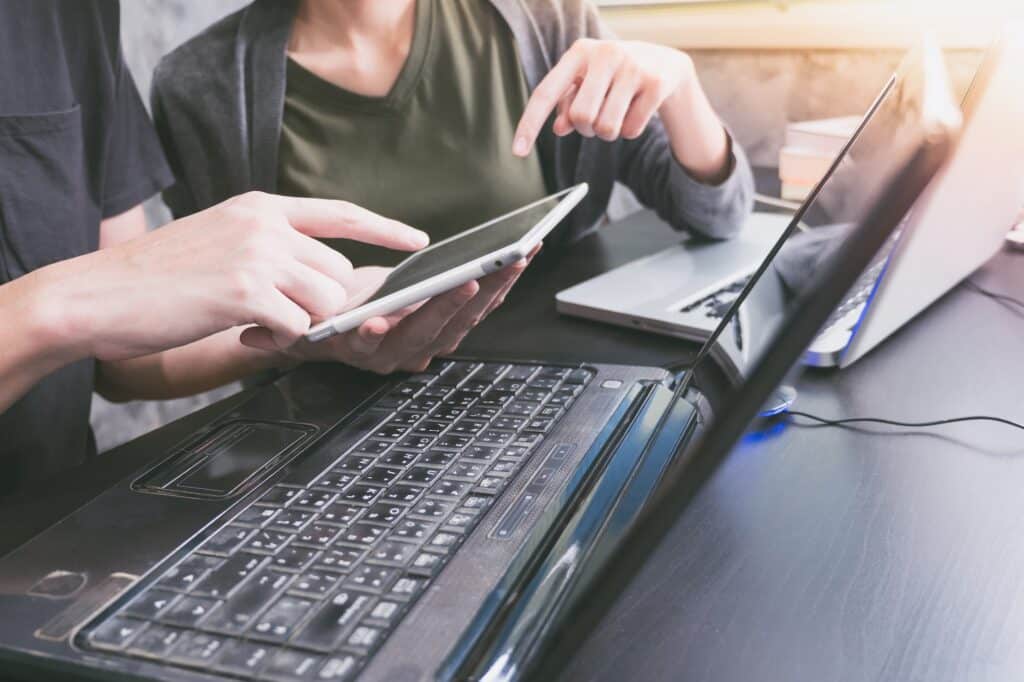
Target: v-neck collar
(409, 76)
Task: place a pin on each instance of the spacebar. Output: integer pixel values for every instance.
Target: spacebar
(327, 452)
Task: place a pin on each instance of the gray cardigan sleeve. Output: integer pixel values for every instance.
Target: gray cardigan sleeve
(649, 168)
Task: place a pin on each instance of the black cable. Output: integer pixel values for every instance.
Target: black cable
(890, 422)
(994, 294)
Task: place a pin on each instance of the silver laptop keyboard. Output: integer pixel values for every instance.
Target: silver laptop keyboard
(307, 581)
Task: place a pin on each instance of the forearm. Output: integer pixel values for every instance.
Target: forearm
(698, 139)
(194, 368)
(31, 339)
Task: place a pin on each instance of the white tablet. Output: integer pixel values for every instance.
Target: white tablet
(467, 256)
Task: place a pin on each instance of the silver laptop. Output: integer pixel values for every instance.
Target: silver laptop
(955, 227)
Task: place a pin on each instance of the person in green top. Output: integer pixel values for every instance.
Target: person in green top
(443, 114)
(430, 144)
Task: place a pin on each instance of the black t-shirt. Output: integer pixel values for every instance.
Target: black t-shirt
(76, 146)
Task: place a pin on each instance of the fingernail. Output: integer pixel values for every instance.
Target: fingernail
(521, 146)
(420, 239)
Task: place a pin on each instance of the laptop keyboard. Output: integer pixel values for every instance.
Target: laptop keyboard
(307, 581)
(715, 305)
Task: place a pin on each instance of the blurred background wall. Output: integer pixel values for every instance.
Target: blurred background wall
(756, 91)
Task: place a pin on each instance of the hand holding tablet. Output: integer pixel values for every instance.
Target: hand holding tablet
(471, 255)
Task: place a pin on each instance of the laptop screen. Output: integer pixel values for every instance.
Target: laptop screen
(890, 127)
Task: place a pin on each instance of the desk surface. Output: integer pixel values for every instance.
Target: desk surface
(815, 554)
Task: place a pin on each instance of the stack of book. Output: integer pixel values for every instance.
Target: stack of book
(808, 152)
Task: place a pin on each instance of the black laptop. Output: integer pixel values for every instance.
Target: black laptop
(446, 525)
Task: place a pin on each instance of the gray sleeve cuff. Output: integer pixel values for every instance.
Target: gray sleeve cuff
(716, 211)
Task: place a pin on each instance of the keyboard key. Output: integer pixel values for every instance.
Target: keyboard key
(451, 490)
(398, 459)
(385, 614)
(489, 485)
(443, 542)
(521, 409)
(489, 372)
(527, 440)
(390, 432)
(240, 611)
(362, 534)
(245, 659)
(332, 622)
(339, 668)
(313, 500)
(543, 383)
(415, 442)
(187, 573)
(391, 553)
(316, 584)
(255, 517)
(293, 559)
(532, 395)
(422, 404)
(459, 523)
(483, 412)
(372, 447)
(521, 372)
(504, 468)
(456, 374)
(405, 419)
(508, 385)
(426, 564)
(361, 493)
(430, 509)
(156, 641)
(223, 581)
(291, 520)
(515, 452)
(114, 634)
(373, 578)
(316, 536)
(364, 639)
(189, 611)
(150, 603)
(402, 494)
(578, 376)
(467, 427)
(508, 423)
(407, 588)
(340, 559)
(267, 541)
(379, 476)
(287, 665)
(355, 463)
(420, 475)
(196, 648)
(448, 413)
(540, 424)
(383, 513)
(429, 428)
(340, 514)
(465, 471)
(436, 458)
(412, 530)
(549, 412)
(335, 481)
(476, 502)
(278, 623)
(225, 541)
(480, 453)
(496, 398)
(278, 496)
(452, 442)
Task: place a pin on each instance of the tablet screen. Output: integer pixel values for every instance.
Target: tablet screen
(466, 247)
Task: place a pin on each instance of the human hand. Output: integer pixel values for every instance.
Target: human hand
(409, 339)
(251, 260)
(608, 88)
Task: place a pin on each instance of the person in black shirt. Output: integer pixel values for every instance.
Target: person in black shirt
(89, 300)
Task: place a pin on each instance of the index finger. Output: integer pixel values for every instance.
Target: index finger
(331, 219)
(544, 99)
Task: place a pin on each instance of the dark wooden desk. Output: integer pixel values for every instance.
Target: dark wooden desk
(816, 554)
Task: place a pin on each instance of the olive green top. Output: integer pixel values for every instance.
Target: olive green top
(436, 151)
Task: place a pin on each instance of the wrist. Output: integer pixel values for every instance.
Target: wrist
(50, 317)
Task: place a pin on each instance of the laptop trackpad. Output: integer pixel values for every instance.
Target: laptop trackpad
(228, 461)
